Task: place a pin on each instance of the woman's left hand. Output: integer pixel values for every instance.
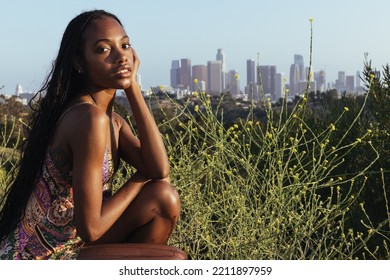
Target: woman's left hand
(136, 64)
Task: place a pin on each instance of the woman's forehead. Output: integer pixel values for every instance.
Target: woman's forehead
(104, 28)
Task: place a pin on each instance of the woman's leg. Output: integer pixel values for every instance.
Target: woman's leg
(150, 218)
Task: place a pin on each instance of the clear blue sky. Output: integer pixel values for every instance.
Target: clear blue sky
(162, 31)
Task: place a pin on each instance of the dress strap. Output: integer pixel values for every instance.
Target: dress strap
(72, 107)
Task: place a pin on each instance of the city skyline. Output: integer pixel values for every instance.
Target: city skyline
(215, 78)
(162, 31)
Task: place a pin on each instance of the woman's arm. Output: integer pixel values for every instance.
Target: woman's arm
(147, 153)
(88, 141)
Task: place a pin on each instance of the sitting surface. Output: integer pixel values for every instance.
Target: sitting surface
(131, 251)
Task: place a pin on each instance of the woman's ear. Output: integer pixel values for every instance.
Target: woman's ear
(78, 64)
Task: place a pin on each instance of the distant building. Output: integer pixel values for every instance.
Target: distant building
(175, 73)
(250, 72)
(221, 57)
(199, 72)
(267, 73)
(18, 90)
(340, 84)
(214, 77)
(304, 85)
(185, 73)
(233, 84)
(294, 79)
(358, 78)
(320, 78)
(139, 80)
(350, 83)
(298, 60)
(280, 86)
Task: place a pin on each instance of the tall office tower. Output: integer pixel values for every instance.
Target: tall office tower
(199, 72)
(268, 77)
(18, 90)
(350, 83)
(358, 80)
(298, 59)
(138, 78)
(175, 73)
(221, 57)
(185, 73)
(250, 72)
(320, 78)
(294, 79)
(234, 83)
(340, 82)
(280, 86)
(214, 77)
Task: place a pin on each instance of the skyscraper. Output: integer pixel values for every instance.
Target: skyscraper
(214, 77)
(350, 83)
(268, 78)
(358, 79)
(175, 73)
(199, 72)
(280, 86)
(320, 78)
(250, 72)
(234, 83)
(294, 79)
(298, 59)
(185, 73)
(221, 57)
(18, 90)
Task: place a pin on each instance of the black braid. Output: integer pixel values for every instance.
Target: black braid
(61, 85)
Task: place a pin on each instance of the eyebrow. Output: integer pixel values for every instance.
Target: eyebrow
(108, 40)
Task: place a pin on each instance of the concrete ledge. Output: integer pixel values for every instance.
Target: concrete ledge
(131, 251)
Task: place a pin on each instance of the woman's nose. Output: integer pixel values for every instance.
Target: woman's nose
(121, 56)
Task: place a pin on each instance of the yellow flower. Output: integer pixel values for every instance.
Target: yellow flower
(237, 77)
(311, 19)
(195, 81)
(195, 93)
(332, 126)
(346, 109)
(196, 108)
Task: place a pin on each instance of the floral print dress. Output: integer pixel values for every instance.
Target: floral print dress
(47, 230)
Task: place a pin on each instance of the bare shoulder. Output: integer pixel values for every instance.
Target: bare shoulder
(85, 117)
(75, 125)
(80, 121)
(119, 121)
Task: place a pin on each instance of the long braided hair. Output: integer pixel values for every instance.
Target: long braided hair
(61, 85)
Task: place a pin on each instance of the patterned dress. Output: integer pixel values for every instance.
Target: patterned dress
(47, 230)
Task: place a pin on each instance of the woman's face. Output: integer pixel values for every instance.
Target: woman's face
(107, 56)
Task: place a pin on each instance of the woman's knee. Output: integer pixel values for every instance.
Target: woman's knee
(165, 195)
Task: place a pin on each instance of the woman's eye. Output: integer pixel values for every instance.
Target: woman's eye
(103, 50)
(126, 46)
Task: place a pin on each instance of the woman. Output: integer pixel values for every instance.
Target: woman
(61, 198)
